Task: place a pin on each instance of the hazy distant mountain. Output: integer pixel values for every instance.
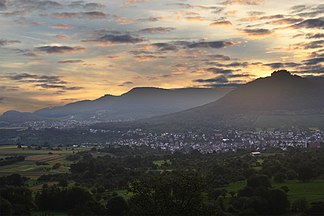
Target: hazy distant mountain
(281, 94)
(138, 103)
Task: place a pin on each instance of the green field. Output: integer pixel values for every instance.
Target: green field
(312, 190)
(159, 163)
(29, 168)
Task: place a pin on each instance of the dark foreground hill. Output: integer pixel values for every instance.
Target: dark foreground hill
(138, 103)
(282, 99)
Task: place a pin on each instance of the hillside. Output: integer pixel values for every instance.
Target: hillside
(281, 96)
(141, 102)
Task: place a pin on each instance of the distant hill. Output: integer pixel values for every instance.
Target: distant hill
(141, 102)
(282, 96)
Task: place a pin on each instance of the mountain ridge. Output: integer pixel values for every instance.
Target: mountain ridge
(139, 102)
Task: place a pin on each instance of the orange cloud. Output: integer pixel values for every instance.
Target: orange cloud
(60, 26)
(224, 23)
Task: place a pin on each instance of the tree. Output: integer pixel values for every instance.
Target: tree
(279, 177)
(277, 201)
(299, 205)
(259, 181)
(168, 194)
(305, 172)
(117, 206)
(5, 207)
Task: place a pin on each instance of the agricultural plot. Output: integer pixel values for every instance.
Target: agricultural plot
(37, 161)
(312, 190)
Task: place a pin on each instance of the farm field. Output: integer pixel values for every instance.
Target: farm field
(37, 161)
(312, 190)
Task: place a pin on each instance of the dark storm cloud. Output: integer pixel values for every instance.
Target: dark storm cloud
(118, 38)
(43, 81)
(59, 49)
(80, 15)
(4, 42)
(70, 61)
(310, 23)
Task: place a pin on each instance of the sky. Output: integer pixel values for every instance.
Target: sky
(56, 52)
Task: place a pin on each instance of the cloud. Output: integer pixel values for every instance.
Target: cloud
(314, 44)
(310, 23)
(80, 15)
(233, 64)
(285, 21)
(133, 1)
(314, 61)
(221, 23)
(13, 13)
(308, 10)
(143, 58)
(126, 83)
(4, 42)
(220, 70)
(43, 81)
(165, 46)
(211, 44)
(61, 87)
(243, 2)
(59, 49)
(154, 30)
(61, 37)
(260, 32)
(315, 35)
(35, 4)
(86, 6)
(117, 39)
(281, 65)
(219, 80)
(60, 26)
(25, 52)
(70, 62)
(220, 57)
(3, 4)
(195, 18)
